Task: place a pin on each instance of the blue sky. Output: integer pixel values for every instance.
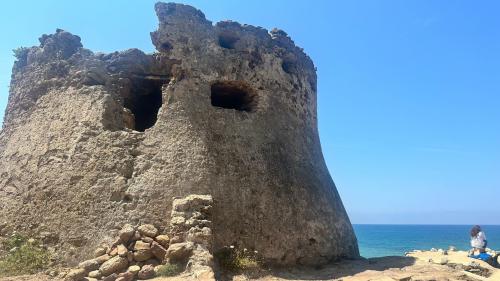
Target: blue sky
(408, 91)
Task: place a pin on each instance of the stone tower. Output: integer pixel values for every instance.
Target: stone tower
(92, 141)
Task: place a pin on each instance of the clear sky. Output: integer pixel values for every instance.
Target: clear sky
(409, 91)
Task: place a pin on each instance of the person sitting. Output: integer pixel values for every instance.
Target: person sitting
(478, 240)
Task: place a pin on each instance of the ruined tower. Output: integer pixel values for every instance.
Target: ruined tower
(92, 141)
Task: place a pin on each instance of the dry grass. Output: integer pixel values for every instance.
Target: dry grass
(24, 256)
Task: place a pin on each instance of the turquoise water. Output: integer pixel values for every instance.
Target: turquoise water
(395, 240)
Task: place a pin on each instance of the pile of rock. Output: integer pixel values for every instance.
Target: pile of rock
(134, 255)
(138, 252)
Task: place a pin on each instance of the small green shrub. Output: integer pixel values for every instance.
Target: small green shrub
(20, 53)
(169, 269)
(23, 256)
(233, 259)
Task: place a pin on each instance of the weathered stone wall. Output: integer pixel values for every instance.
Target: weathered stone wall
(92, 141)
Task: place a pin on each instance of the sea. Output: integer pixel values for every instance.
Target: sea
(377, 240)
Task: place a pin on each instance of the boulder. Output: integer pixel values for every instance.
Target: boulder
(146, 272)
(148, 230)
(158, 251)
(134, 269)
(113, 252)
(89, 265)
(126, 233)
(95, 274)
(75, 275)
(140, 245)
(147, 239)
(125, 276)
(142, 255)
(122, 250)
(180, 251)
(102, 259)
(115, 264)
(163, 239)
(100, 251)
(111, 277)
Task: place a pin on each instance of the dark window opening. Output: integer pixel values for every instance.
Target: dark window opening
(233, 95)
(166, 46)
(228, 39)
(289, 66)
(144, 102)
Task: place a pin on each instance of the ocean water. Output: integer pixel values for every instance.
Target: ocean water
(394, 240)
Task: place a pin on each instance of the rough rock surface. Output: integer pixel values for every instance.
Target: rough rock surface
(92, 141)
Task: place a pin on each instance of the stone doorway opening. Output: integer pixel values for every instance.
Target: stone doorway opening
(145, 101)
